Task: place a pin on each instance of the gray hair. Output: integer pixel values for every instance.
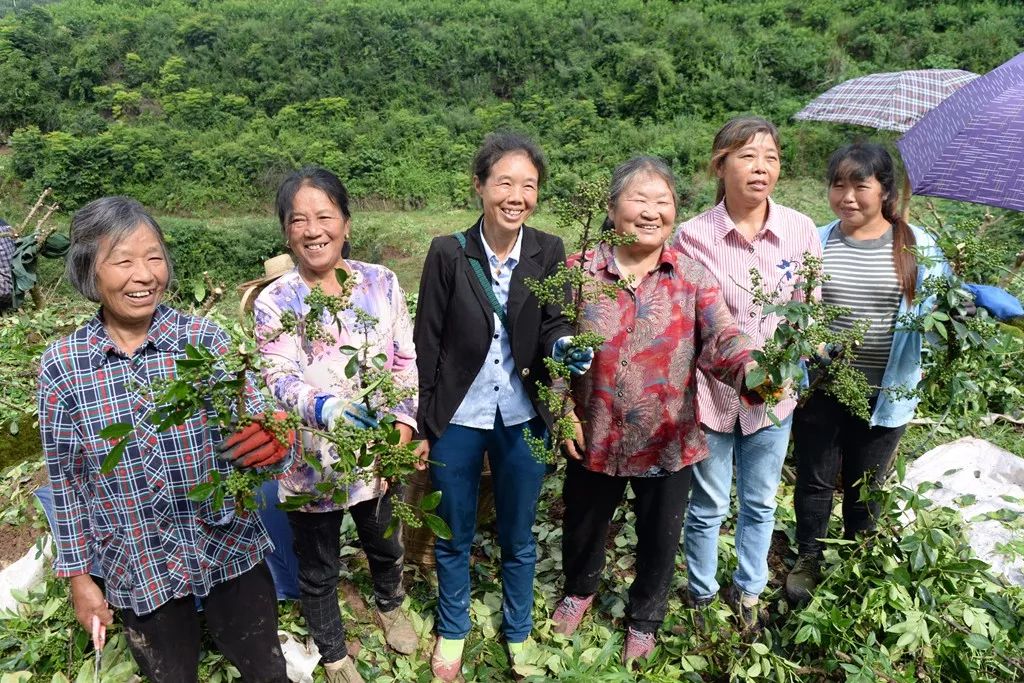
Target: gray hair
(625, 173)
(107, 218)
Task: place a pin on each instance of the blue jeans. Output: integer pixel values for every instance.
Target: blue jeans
(759, 459)
(517, 479)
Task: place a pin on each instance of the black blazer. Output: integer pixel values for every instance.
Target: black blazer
(455, 323)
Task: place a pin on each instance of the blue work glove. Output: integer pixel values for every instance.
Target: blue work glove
(335, 409)
(577, 358)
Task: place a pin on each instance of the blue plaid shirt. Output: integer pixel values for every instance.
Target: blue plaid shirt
(152, 543)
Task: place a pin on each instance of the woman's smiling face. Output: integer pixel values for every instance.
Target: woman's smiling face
(509, 194)
(317, 230)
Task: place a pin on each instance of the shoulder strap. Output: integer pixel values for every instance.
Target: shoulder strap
(485, 282)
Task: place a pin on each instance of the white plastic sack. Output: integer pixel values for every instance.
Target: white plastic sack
(23, 574)
(975, 467)
(299, 657)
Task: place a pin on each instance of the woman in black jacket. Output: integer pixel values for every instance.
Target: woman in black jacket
(481, 338)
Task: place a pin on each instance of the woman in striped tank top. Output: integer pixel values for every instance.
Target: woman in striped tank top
(871, 255)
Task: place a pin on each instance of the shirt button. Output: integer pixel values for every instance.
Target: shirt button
(751, 250)
(619, 394)
(525, 372)
(752, 314)
(495, 336)
(496, 389)
(629, 330)
(625, 363)
(496, 361)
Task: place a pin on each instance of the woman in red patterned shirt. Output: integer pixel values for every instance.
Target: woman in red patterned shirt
(637, 405)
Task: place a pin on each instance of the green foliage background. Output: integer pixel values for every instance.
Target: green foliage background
(197, 105)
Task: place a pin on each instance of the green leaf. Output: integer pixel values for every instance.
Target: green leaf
(978, 641)
(756, 377)
(199, 292)
(393, 437)
(438, 526)
(379, 361)
(295, 502)
(192, 352)
(200, 492)
(348, 350)
(218, 496)
(392, 527)
(430, 501)
(13, 427)
(116, 430)
(113, 457)
(352, 367)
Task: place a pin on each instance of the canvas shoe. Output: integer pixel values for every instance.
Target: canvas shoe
(570, 612)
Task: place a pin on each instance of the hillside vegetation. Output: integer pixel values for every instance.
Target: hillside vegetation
(193, 105)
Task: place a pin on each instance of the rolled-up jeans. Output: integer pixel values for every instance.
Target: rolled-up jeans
(517, 477)
(758, 459)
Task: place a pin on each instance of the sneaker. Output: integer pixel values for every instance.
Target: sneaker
(752, 615)
(398, 631)
(570, 612)
(638, 645)
(443, 669)
(803, 578)
(342, 671)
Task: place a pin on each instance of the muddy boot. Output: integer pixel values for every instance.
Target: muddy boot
(803, 579)
(398, 631)
(342, 671)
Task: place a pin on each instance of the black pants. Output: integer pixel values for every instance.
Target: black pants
(241, 615)
(828, 441)
(318, 547)
(660, 507)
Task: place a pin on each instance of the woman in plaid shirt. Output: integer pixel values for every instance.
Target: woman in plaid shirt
(157, 550)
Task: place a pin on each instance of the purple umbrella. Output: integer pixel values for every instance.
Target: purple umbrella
(971, 147)
(894, 100)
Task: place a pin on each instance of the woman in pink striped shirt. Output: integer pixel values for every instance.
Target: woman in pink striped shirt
(745, 230)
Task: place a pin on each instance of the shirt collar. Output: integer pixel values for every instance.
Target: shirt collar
(513, 256)
(162, 336)
(604, 259)
(724, 224)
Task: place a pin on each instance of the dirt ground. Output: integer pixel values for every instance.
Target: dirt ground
(16, 540)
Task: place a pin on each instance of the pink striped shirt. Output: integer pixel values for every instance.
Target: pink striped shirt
(712, 239)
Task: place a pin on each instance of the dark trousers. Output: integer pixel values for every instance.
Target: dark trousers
(660, 508)
(828, 441)
(318, 549)
(241, 615)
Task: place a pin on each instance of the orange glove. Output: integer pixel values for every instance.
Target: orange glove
(256, 446)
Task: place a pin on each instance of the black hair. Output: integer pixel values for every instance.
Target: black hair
(310, 176)
(498, 144)
(863, 160)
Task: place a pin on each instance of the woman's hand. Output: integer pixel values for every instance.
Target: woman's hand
(89, 602)
(423, 451)
(576, 446)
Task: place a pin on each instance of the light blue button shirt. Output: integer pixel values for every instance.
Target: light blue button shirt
(497, 384)
(904, 366)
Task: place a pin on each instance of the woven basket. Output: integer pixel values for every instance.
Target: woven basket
(419, 543)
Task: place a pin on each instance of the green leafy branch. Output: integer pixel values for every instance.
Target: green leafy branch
(571, 288)
(205, 380)
(805, 331)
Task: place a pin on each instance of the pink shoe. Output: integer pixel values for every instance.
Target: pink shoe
(570, 612)
(639, 645)
(442, 668)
